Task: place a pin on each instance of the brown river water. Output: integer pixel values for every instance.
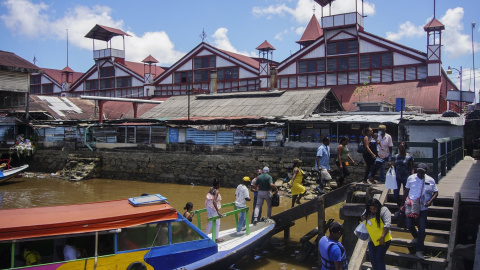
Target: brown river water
(34, 192)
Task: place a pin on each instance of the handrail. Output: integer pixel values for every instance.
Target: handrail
(358, 255)
(214, 219)
(453, 228)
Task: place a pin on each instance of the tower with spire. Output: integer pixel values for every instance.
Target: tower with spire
(264, 50)
(434, 49)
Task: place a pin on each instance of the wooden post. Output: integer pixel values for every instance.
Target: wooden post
(321, 222)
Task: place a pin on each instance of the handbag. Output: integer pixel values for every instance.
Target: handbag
(361, 231)
(361, 147)
(413, 207)
(391, 179)
(275, 200)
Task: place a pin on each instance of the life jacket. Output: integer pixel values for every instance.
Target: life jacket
(325, 251)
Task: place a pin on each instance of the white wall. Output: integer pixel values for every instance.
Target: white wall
(427, 133)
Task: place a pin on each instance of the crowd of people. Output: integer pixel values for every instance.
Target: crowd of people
(418, 190)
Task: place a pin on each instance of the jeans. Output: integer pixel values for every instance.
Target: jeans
(241, 220)
(421, 224)
(369, 161)
(344, 172)
(396, 192)
(263, 195)
(375, 167)
(254, 206)
(382, 172)
(212, 213)
(377, 255)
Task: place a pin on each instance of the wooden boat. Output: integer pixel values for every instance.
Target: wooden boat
(139, 233)
(5, 175)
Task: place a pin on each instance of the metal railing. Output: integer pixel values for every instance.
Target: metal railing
(235, 212)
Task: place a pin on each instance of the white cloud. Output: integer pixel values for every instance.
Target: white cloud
(455, 43)
(279, 36)
(303, 10)
(299, 30)
(221, 41)
(32, 20)
(406, 30)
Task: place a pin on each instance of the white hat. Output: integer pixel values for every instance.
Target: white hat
(266, 169)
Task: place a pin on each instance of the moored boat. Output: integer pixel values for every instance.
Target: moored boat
(139, 233)
(6, 175)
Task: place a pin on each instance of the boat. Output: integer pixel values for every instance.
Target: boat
(6, 175)
(139, 233)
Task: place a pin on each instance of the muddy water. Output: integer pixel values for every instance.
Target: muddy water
(33, 192)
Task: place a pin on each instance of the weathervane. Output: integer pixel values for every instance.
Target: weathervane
(203, 35)
(313, 8)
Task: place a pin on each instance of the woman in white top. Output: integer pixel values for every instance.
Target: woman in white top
(213, 203)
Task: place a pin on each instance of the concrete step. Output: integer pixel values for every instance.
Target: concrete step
(429, 246)
(434, 211)
(432, 232)
(437, 223)
(439, 201)
(368, 266)
(393, 256)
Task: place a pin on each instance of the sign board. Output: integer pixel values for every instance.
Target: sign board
(463, 96)
(400, 104)
(173, 135)
(261, 134)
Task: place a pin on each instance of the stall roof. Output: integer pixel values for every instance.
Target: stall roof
(377, 117)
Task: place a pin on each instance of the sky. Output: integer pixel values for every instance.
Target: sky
(168, 30)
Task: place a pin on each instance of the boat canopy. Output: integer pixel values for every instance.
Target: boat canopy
(35, 222)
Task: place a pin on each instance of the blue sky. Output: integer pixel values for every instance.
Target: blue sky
(169, 29)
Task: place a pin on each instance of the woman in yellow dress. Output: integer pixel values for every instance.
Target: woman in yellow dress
(296, 183)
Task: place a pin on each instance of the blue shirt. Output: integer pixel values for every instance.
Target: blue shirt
(323, 153)
(325, 245)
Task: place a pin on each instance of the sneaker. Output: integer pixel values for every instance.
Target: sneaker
(414, 241)
(420, 255)
(240, 233)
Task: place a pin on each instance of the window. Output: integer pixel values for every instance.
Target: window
(107, 72)
(353, 62)
(91, 85)
(227, 73)
(124, 82)
(36, 79)
(342, 63)
(376, 60)
(332, 64)
(386, 60)
(107, 83)
(35, 89)
(204, 62)
(321, 65)
(183, 77)
(342, 47)
(313, 65)
(201, 76)
(47, 89)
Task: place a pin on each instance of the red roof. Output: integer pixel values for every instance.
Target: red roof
(104, 33)
(312, 32)
(56, 74)
(79, 218)
(246, 59)
(265, 46)
(9, 60)
(434, 24)
(150, 59)
(416, 93)
(67, 69)
(139, 68)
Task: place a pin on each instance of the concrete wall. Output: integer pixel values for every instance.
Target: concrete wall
(186, 164)
(427, 133)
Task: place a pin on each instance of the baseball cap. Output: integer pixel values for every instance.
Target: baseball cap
(422, 166)
(246, 179)
(335, 227)
(266, 169)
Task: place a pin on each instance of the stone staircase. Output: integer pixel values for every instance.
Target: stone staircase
(401, 254)
(78, 168)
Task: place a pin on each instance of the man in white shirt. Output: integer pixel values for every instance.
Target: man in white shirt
(322, 163)
(385, 149)
(70, 252)
(423, 187)
(241, 202)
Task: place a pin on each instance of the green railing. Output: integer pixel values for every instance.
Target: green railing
(446, 153)
(214, 219)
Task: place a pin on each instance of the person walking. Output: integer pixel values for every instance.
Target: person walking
(213, 203)
(378, 221)
(403, 169)
(242, 196)
(265, 184)
(369, 155)
(385, 149)
(342, 160)
(420, 188)
(188, 208)
(296, 183)
(331, 251)
(322, 163)
(254, 189)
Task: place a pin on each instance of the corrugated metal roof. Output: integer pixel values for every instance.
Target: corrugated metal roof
(251, 104)
(11, 61)
(63, 108)
(104, 33)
